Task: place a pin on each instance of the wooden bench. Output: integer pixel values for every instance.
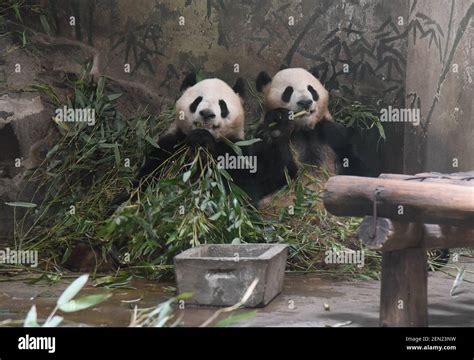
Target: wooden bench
(404, 216)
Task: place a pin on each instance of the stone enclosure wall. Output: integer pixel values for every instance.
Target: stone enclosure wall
(403, 53)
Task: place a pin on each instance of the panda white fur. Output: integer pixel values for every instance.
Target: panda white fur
(209, 111)
(316, 138)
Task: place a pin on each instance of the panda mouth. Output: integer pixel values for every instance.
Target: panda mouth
(203, 125)
(307, 113)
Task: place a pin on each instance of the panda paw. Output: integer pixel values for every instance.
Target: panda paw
(201, 137)
(277, 125)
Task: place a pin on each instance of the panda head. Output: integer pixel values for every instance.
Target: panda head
(296, 90)
(213, 105)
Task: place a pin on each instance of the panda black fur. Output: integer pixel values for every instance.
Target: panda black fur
(209, 111)
(317, 139)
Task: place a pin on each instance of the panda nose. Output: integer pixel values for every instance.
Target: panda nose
(305, 104)
(207, 114)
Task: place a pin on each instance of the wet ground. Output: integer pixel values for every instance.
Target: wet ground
(306, 300)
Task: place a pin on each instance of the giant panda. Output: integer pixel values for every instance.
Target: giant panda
(207, 111)
(210, 113)
(316, 139)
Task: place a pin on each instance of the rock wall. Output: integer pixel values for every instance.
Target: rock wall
(25, 119)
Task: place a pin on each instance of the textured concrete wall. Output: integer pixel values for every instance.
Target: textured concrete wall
(440, 82)
(163, 39)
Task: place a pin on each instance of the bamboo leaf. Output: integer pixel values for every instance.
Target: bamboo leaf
(113, 97)
(186, 176)
(381, 129)
(247, 142)
(72, 289)
(152, 142)
(458, 281)
(234, 147)
(236, 318)
(31, 319)
(54, 322)
(52, 151)
(100, 87)
(21, 204)
(184, 296)
(45, 24)
(83, 302)
(117, 155)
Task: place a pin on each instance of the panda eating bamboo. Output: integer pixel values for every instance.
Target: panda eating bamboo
(317, 138)
(210, 114)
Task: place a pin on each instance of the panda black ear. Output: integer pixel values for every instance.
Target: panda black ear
(188, 81)
(239, 87)
(262, 79)
(314, 71)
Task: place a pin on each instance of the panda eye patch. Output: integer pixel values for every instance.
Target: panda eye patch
(224, 109)
(195, 104)
(313, 92)
(286, 96)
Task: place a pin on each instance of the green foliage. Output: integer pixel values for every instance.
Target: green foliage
(189, 206)
(85, 169)
(11, 9)
(193, 202)
(12, 14)
(356, 115)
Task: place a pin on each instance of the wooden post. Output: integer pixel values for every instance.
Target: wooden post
(404, 295)
(413, 213)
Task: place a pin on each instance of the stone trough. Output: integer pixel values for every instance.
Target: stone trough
(219, 275)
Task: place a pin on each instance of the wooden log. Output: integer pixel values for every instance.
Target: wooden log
(404, 295)
(464, 179)
(400, 200)
(392, 235)
(445, 236)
